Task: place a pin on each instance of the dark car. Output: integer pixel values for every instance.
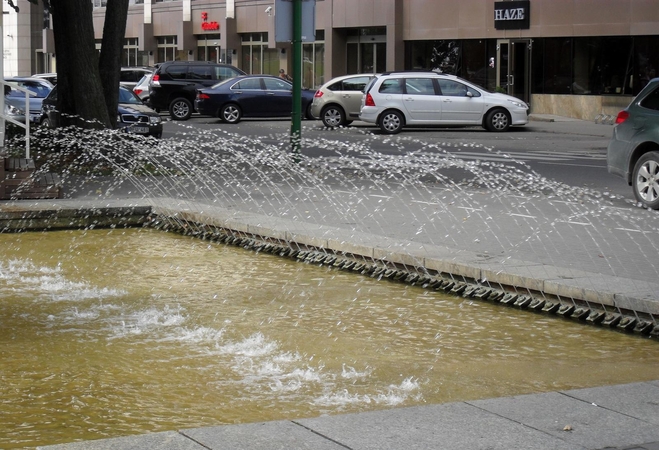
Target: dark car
(251, 96)
(15, 99)
(133, 115)
(633, 151)
(174, 84)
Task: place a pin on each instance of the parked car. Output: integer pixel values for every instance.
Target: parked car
(130, 76)
(633, 152)
(174, 84)
(52, 77)
(399, 99)
(133, 116)
(141, 89)
(250, 96)
(337, 102)
(15, 99)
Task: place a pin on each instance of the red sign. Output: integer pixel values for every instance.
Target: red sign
(206, 25)
(209, 26)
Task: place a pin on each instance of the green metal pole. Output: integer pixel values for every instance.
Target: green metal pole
(296, 122)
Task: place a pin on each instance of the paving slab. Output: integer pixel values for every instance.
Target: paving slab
(590, 426)
(638, 400)
(282, 435)
(448, 426)
(170, 440)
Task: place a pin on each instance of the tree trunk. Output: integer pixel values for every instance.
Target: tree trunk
(114, 29)
(80, 98)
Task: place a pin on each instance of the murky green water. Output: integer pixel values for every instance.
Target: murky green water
(111, 333)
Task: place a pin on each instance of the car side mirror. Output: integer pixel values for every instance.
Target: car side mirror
(469, 94)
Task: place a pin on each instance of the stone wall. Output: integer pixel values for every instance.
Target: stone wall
(585, 107)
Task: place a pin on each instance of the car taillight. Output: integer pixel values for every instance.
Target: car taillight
(318, 94)
(622, 116)
(137, 91)
(155, 79)
(202, 96)
(369, 100)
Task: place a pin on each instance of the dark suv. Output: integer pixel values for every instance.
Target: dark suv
(174, 84)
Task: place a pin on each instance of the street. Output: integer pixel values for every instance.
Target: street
(577, 158)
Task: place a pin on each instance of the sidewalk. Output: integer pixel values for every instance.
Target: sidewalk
(613, 417)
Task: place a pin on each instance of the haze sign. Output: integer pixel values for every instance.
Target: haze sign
(512, 15)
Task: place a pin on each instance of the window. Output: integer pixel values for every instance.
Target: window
(250, 83)
(391, 86)
(453, 88)
(225, 72)
(201, 73)
(167, 49)
(419, 86)
(651, 101)
(273, 84)
(178, 72)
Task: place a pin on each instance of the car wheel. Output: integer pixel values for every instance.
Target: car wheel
(230, 113)
(180, 109)
(645, 180)
(307, 113)
(391, 122)
(497, 120)
(332, 116)
(45, 122)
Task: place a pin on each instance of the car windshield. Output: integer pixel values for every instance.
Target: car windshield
(126, 96)
(41, 90)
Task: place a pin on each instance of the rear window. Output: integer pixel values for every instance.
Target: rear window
(201, 73)
(223, 72)
(652, 100)
(178, 72)
(356, 84)
(250, 83)
(391, 86)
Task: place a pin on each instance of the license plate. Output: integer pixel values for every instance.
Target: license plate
(140, 130)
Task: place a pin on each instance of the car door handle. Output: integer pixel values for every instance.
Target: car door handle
(447, 100)
(269, 93)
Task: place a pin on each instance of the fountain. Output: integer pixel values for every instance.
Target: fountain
(398, 299)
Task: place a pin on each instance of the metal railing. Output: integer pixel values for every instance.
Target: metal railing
(4, 117)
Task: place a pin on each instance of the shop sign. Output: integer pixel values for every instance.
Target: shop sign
(512, 15)
(206, 25)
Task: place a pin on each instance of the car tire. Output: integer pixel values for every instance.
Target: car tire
(180, 109)
(332, 116)
(45, 122)
(230, 113)
(497, 120)
(645, 180)
(391, 122)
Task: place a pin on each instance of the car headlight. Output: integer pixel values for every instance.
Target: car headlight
(154, 120)
(118, 118)
(519, 104)
(11, 110)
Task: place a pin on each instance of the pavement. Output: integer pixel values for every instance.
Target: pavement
(611, 417)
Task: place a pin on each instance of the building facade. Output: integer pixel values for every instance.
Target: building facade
(575, 58)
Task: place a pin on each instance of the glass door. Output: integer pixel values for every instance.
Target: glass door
(514, 67)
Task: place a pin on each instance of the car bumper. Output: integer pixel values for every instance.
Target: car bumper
(369, 114)
(519, 117)
(617, 157)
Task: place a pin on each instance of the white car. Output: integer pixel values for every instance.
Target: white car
(398, 99)
(337, 103)
(141, 89)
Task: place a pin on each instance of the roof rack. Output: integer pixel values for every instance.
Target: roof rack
(413, 71)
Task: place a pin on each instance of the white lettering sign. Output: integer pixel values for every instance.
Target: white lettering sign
(509, 14)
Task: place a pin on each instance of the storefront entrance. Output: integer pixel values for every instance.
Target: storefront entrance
(514, 67)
